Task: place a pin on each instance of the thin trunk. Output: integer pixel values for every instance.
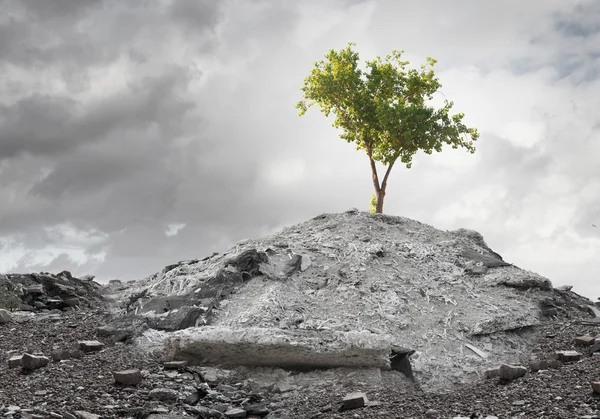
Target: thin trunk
(379, 189)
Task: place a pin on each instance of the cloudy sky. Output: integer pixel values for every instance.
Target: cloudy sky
(136, 134)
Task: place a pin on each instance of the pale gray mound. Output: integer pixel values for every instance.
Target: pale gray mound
(444, 294)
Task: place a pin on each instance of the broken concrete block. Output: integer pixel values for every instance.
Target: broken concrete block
(90, 346)
(354, 400)
(235, 412)
(510, 372)
(596, 387)
(492, 373)
(538, 364)
(586, 340)
(32, 362)
(174, 365)
(5, 316)
(568, 356)
(15, 361)
(130, 377)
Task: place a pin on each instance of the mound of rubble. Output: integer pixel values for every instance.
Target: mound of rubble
(45, 291)
(351, 290)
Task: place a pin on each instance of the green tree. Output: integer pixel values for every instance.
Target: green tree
(384, 109)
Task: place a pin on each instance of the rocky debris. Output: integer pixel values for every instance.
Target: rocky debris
(81, 414)
(595, 347)
(130, 377)
(492, 373)
(596, 387)
(33, 362)
(235, 412)
(15, 361)
(538, 365)
(584, 340)
(354, 401)
(5, 316)
(510, 372)
(45, 291)
(58, 355)
(88, 346)
(165, 395)
(568, 356)
(175, 365)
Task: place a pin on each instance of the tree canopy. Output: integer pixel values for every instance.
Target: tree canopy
(384, 109)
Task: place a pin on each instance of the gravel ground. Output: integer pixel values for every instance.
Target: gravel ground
(62, 388)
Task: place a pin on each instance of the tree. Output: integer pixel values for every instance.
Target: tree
(384, 109)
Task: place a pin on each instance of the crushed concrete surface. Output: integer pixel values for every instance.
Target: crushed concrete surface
(445, 296)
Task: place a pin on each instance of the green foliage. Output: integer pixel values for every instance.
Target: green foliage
(9, 300)
(373, 206)
(384, 109)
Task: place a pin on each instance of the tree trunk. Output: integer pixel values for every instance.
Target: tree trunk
(379, 196)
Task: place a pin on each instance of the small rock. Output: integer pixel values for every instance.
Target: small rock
(510, 372)
(174, 365)
(40, 393)
(538, 364)
(432, 413)
(192, 398)
(492, 373)
(596, 387)
(81, 414)
(283, 388)
(130, 377)
(595, 347)
(235, 412)
(62, 354)
(90, 346)
(584, 340)
(32, 362)
(354, 401)
(5, 316)
(568, 356)
(259, 409)
(565, 288)
(165, 395)
(15, 361)
(207, 413)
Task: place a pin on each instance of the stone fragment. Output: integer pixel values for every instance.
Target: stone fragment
(5, 316)
(174, 365)
(235, 412)
(354, 400)
(492, 373)
(596, 387)
(130, 377)
(538, 364)
(165, 395)
(15, 361)
(32, 362)
(258, 409)
(82, 414)
(586, 340)
(510, 372)
(90, 346)
(207, 413)
(595, 347)
(62, 354)
(568, 356)
(192, 398)
(432, 413)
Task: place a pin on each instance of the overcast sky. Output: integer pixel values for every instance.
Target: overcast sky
(134, 134)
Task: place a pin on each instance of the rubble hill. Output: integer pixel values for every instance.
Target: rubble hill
(350, 290)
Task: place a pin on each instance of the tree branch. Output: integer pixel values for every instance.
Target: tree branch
(373, 169)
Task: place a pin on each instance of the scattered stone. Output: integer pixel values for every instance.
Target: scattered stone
(510, 372)
(596, 387)
(207, 413)
(595, 347)
(88, 346)
(175, 365)
(235, 412)
(81, 414)
(432, 413)
(192, 398)
(538, 364)
(492, 373)
(130, 377)
(259, 409)
(354, 401)
(568, 356)
(15, 361)
(5, 316)
(565, 288)
(63, 354)
(32, 362)
(165, 395)
(586, 340)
